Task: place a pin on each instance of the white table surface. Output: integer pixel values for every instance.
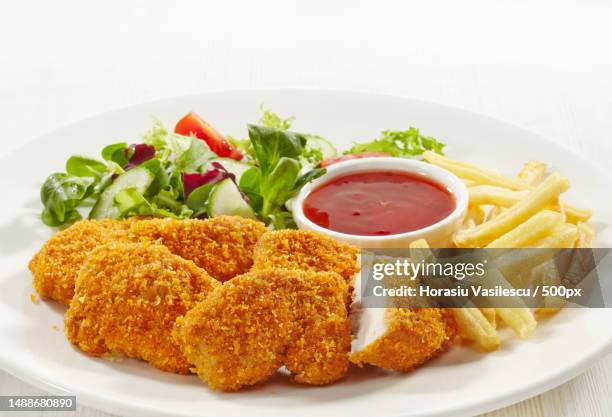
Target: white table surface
(545, 66)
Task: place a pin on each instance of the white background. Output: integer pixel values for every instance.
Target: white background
(545, 65)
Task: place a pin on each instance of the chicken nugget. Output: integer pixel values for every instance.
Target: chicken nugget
(222, 245)
(399, 339)
(56, 266)
(307, 250)
(252, 325)
(127, 298)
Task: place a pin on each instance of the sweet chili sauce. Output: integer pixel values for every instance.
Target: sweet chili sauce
(378, 203)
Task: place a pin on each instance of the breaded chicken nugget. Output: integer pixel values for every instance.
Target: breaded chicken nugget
(128, 296)
(307, 250)
(222, 245)
(399, 339)
(249, 327)
(56, 265)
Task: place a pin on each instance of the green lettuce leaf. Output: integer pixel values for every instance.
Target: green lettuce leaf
(400, 143)
(61, 194)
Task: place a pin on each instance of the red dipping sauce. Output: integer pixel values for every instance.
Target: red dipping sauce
(378, 203)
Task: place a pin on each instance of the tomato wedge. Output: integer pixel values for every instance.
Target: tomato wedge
(331, 161)
(193, 124)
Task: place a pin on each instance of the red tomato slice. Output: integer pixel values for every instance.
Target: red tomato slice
(331, 161)
(193, 124)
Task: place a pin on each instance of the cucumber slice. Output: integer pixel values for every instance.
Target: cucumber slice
(225, 198)
(327, 149)
(139, 178)
(235, 167)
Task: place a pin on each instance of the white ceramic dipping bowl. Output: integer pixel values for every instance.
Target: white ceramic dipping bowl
(437, 235)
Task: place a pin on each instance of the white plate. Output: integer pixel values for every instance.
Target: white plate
(462, 382)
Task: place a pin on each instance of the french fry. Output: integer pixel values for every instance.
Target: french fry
(419, 244)
(494, 212)
(575, 214)
(561, 236)
(420, 251)
(474, 217)
(520, 320)
(547, 311)
(536, 227)
(503, 197)
(489, 313)
(497, 196)
(535, 201)
(532, 173)
(474, 326)
(473, 172)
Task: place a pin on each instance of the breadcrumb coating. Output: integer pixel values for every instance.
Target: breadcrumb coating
(128, 296)
(252, 325)
(306, 250)
(413, 336)
(56, 265)
(222, 245)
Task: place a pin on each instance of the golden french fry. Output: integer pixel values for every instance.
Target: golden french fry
(532, 173)
(503, 197)
(420, 251)
(474, 326)
(497, 196)
(547, 311)
(474, 217)
(535, 201)
(575, 214)
(494, 212)
(419, 244)
(490, 315)
(473, 172)
(561, 236)
(469, 183)
(520, 320)
(534, 228)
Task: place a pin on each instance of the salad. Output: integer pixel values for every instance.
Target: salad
(196, 172)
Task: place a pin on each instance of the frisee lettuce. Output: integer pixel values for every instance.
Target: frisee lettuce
(270, 119)
(400, 143)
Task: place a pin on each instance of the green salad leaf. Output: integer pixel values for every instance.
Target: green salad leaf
(270, 119)
(166, 143)
(198, 198)
(194, 157)
(115, 153)
(61, 193)
(277, 176)
(243, 145)
(82, 166)
(314, 151)
(400, 143)
(271, 144)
